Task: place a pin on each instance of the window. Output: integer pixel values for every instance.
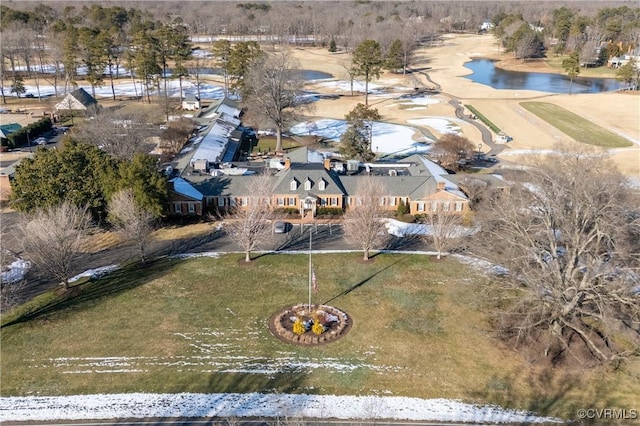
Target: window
(322, 185)
(381, 201)
(280, 201)
(292, 201)
(307, 185)
(434, 206)
(177, 207)
(220, 201)
(392, 201)
(420, 206)
(192, 207)
(323, 202)
(446, 206)
(333, 201)
(244, 201)
(232, 202)
(293, 185)
(458, 206)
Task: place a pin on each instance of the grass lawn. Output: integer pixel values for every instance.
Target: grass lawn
(200, 325)
(596, 72)
(574, 126)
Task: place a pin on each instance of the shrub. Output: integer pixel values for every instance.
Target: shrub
(287, 211)
(34, 130)
(298, 326)
(317, 328)
(403, 209)
(329, 211)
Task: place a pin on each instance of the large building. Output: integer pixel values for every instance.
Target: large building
(304, 181)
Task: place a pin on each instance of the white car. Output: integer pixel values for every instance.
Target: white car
(280, 227)
(40, 141)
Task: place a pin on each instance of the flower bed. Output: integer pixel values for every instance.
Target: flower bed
(304, 325)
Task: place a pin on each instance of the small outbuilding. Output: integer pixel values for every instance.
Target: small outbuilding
(191, 103)
(78, 102)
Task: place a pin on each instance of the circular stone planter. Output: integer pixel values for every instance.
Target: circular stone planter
(336, 324)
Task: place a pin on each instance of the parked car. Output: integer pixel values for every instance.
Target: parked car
(280, 227)
(40, 141)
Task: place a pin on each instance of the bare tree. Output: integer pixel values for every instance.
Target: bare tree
(450, 151)
(251, 220)
(274, 87)
(133, 222)
(569, 236)
(444, 227)
(121, 133)
(363, 219)
(173, 138)
(53, 238)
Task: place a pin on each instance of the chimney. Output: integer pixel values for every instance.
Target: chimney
(287, 163)
(440, 185)
(327, 163)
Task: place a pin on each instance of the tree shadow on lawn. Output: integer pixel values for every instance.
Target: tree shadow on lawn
(126, 278)
(552, 393)
(247, 382)
(364, 281)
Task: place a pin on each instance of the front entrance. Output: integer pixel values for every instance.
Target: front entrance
(308, 207)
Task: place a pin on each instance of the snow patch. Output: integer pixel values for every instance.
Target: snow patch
(141, 405)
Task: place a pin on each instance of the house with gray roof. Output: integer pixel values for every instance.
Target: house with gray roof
(309, 187)
(78, 101)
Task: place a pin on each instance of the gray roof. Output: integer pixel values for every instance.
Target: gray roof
(83, 97)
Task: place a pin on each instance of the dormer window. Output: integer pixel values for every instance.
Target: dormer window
(307, 184)
(322, 185)
(293, 185)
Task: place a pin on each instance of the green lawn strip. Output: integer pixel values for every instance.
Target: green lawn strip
(574, 126)
(200, 325)
(484, 119)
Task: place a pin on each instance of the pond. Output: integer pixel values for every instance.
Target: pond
(485, 72)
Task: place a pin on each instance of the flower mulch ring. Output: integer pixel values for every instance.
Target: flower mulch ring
(309, 326)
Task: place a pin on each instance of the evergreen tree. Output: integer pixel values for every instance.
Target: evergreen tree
(394, 59)
(332, 46)
(367, 61)
(572, 67)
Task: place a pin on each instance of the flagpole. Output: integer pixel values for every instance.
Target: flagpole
(310, 272)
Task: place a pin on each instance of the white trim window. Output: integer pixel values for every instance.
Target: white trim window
(293, 185)
(434, 206)
(292, 201)
(192, 207)
(232, 202)
(446, 206)
(458, 206)
(322, 185)
(333, 201)
(280, 201)
(177, 207)
(392, 201)
(220, 201)
(307, 184)
(420, 206)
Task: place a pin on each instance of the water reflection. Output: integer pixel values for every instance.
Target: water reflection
(485, 72)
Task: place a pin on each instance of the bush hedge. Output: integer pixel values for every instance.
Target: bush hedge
(30, 132)
(484, 119)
